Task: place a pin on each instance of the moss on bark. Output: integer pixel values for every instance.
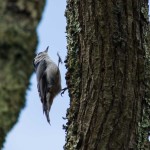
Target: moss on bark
(19, 19)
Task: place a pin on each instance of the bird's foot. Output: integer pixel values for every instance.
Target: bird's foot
(63, 90)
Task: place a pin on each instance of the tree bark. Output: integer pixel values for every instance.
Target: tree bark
(107, 75)
(18, 40)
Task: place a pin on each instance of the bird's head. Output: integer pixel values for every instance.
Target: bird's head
(40, 56)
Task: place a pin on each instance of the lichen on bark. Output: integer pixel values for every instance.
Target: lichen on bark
(19, 19)
(144, 123)
(73, 73)
(112, 74)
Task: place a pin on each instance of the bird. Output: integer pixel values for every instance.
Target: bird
(48, 79)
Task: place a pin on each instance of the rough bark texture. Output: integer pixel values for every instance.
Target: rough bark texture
(18, 40)
(108, 75)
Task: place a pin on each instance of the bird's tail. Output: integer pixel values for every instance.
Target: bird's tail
(47, 116)
(47, 106)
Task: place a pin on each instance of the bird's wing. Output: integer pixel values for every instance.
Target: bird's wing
(43, 88)
(41, 79)
(41, 69)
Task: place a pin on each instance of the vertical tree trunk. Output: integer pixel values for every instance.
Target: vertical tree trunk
(18, 40)
(107, 74)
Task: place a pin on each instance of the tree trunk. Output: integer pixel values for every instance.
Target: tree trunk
(18, 40)
(107, 76)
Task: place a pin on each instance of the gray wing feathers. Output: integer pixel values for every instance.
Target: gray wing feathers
(43, 87)
(40, 70)
(41, 78)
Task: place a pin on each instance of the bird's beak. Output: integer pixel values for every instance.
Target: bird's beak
(47, 49)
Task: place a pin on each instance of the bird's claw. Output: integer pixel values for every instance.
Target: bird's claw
(63, 90)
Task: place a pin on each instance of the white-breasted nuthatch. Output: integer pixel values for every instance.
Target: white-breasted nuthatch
(48, 79)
